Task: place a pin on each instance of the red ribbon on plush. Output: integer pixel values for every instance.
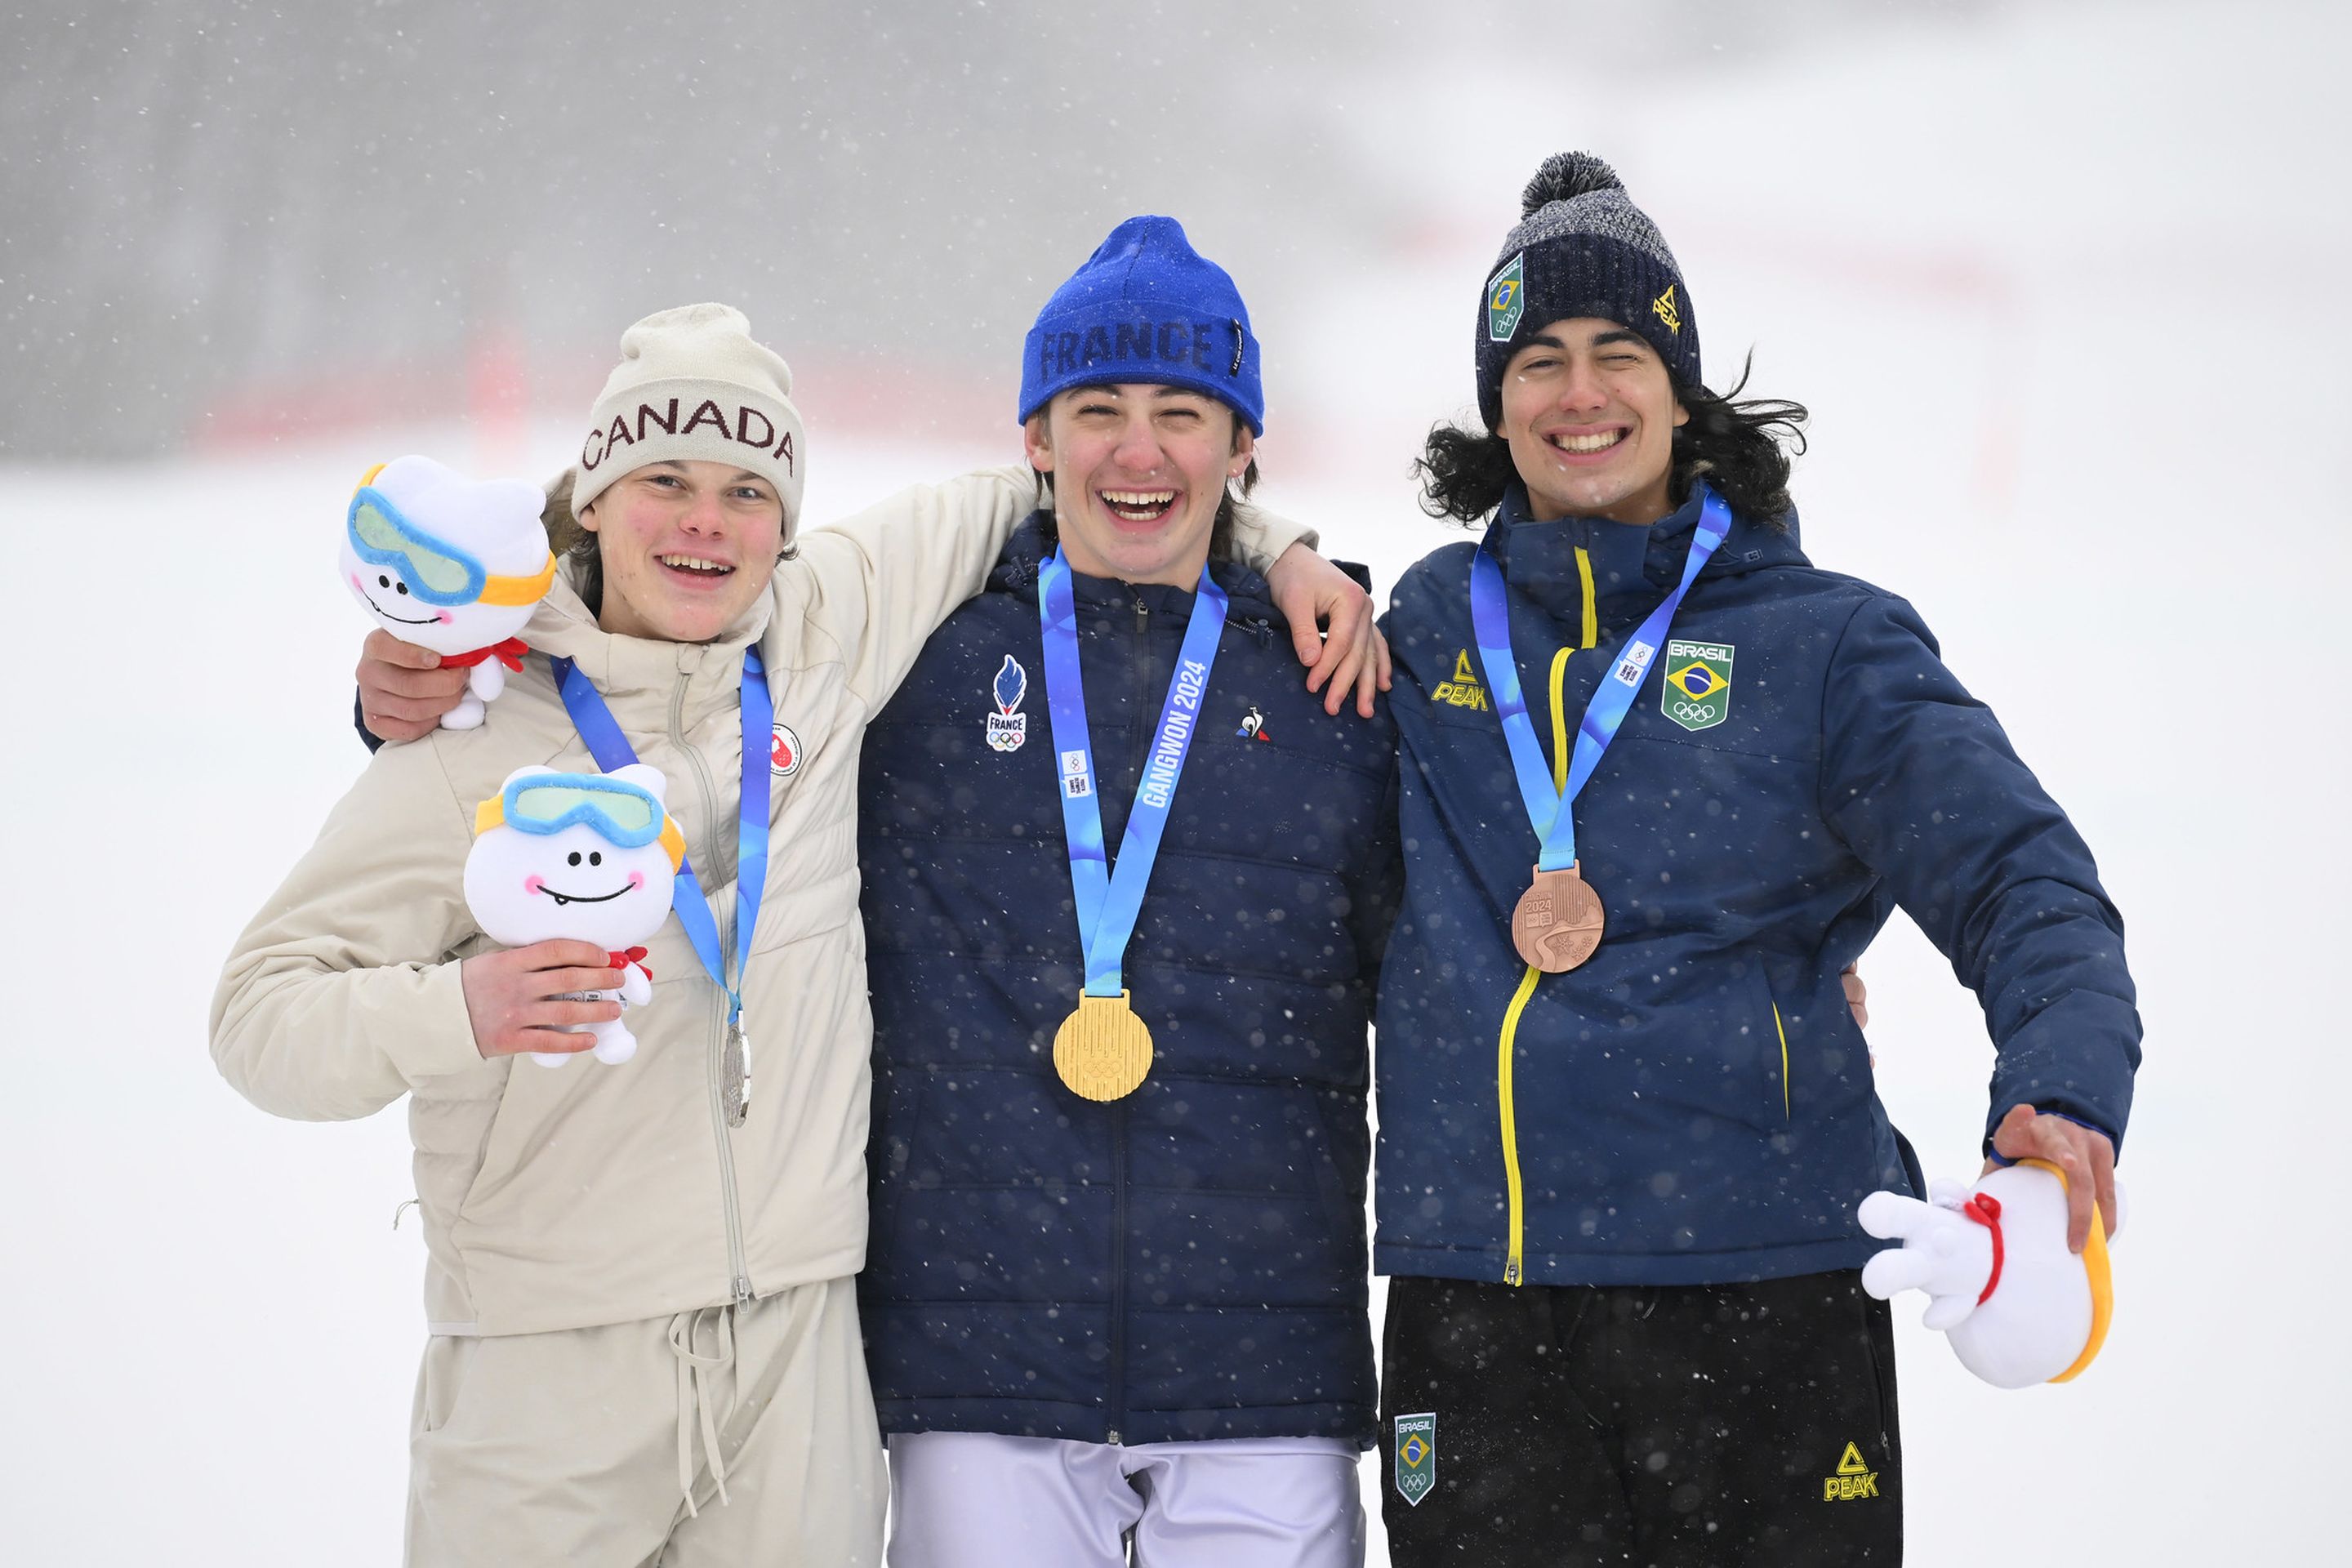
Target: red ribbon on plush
(1985, 1209)
(508, 653)
(637, 955)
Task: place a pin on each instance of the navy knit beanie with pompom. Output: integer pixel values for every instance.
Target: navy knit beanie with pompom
(1582, 249)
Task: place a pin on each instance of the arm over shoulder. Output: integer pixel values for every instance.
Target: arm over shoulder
(882, 580)
(1919, 781)
(1260, 536)
(340, 996)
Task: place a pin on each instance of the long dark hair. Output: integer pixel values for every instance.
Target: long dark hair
(1743, 446)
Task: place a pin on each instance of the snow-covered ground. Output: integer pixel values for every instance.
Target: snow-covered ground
(2066, 296)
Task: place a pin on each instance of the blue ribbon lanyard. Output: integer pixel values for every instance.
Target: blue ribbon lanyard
(1552, 812)
(1110, 902)
(612, 750)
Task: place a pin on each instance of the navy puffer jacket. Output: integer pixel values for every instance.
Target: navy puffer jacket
(1695, 1104)
(1187, 1262)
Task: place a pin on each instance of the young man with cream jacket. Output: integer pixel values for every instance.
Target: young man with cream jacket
(638, 1287)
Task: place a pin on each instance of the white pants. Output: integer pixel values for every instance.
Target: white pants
(972, 1500)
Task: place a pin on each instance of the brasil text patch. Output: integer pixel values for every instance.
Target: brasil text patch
(1696, 693)
(1416, 1456)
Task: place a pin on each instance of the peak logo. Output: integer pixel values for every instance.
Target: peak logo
(1666, 311)
(1854, 1479)
(1463, 690)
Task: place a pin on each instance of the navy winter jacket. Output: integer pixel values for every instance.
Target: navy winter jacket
(1695, 1104)
(1189, 1261)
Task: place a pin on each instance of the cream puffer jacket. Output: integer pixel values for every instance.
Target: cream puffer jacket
(595, 1194)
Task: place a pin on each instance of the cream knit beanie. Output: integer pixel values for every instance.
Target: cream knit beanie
(691, 385)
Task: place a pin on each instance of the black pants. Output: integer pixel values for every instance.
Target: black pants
(1566, 1426)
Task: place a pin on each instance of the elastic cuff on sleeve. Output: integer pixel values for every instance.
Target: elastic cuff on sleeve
(443, 1040)
(1997, 1158)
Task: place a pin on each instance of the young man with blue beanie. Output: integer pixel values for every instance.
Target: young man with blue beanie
(1625, 1116)
(1127, 887)
(672, 1368)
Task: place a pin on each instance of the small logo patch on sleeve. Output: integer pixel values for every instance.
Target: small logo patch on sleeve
(1415, 1447)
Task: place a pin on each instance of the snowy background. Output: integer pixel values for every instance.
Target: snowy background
(2064, 284)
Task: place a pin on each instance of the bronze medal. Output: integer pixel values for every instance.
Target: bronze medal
(1103, 1050)
(1557, 922)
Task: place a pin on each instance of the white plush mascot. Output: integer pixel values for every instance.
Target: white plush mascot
(590, 857)
(452, 564)
(2018, 1308)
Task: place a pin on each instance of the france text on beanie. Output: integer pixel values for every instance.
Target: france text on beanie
(1146, 307)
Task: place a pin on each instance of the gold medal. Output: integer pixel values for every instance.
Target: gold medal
(1103, 1050)
(1557, 922)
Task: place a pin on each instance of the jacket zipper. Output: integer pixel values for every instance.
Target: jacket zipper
(1139, 755)
(1505, 1102)
(738, 1274)
(1781, 1030)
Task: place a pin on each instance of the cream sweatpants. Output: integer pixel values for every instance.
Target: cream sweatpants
(732, 1435)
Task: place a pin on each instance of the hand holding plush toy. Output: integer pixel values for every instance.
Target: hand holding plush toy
(451, 565)
(591, 856)
(2018, 1308)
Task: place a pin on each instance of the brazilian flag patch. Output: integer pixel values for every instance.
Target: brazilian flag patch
(1507, 299)
(1415, 1447)
(1697, 690)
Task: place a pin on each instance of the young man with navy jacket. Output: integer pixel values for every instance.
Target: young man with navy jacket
(1625, 1116)
(1116, 1297)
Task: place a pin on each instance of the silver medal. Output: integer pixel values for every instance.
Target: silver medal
(735, 1073)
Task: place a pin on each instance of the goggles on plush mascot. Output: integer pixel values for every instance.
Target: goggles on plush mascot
(435, 571)
(622, 812)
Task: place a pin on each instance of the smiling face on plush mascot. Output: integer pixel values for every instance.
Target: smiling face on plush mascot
(591, 856)
(445, 562)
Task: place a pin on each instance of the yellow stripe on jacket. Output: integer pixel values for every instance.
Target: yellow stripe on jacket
(1513, 1271)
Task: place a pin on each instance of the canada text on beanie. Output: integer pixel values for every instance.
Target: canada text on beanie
(693, 385)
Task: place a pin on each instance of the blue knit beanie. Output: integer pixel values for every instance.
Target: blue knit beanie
(1146, 307)
(1582, 249)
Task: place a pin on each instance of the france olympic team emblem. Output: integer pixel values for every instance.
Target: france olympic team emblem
(1008, 727)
